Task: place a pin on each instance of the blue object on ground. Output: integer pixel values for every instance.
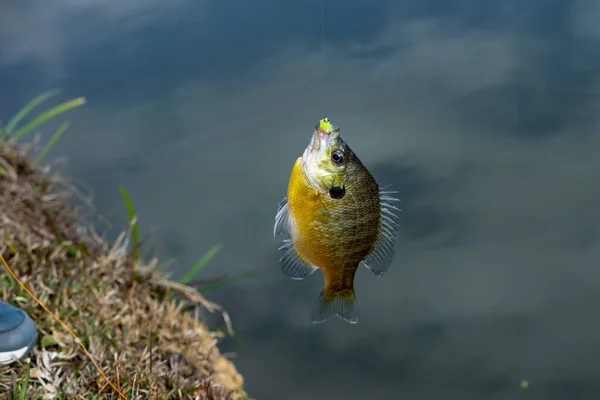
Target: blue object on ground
(18, 334)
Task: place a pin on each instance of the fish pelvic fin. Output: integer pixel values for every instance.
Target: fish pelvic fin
(380, 258)
(291, 264)
(335, 302)
(282, 218)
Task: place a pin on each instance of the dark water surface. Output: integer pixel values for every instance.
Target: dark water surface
(484, 115)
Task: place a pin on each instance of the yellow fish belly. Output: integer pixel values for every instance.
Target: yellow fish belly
(333, 235)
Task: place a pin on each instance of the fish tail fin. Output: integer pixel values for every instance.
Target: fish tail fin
(338, 302)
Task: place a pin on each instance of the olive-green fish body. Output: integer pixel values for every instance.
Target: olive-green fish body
(337, 217)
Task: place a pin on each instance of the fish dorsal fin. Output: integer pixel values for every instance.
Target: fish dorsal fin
(282, 219)
(380, 258)
(291, 263)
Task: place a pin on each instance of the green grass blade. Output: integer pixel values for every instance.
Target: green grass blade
(46, 115)
(53, 139)
(28, 107)
(26, 383)
(225, 281)
(200, 264)
(131, 213)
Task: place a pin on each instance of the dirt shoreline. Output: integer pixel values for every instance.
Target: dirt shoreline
(126, 313)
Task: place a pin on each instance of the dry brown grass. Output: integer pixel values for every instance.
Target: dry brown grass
(124, 312)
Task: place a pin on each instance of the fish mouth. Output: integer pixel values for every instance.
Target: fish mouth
(312, 155)
(320, 142)
(320, 139)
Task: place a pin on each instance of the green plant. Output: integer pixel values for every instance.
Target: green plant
(21, 389)
(225, 281)
(196, 268)
(9, 133)
(134, 228)
(200, 264)
(28, 107)
(73, 275)
(53, 139)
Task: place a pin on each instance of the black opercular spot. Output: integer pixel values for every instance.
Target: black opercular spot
(337, 192)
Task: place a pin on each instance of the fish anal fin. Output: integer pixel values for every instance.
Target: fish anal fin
(282, 218)
(331, 302)
(381, 256)
(292, 265)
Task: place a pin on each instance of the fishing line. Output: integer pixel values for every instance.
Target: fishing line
(75, 337)
(322, 29)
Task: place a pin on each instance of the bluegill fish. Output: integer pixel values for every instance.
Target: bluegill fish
(337, 217)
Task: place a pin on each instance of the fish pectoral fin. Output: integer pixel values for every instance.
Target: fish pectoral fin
(380, 258)
(282, 218)
(331, 302)
(292, 265)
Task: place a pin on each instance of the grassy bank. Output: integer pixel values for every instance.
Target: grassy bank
(122, 310)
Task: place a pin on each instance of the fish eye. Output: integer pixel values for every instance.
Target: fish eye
(337, 156)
